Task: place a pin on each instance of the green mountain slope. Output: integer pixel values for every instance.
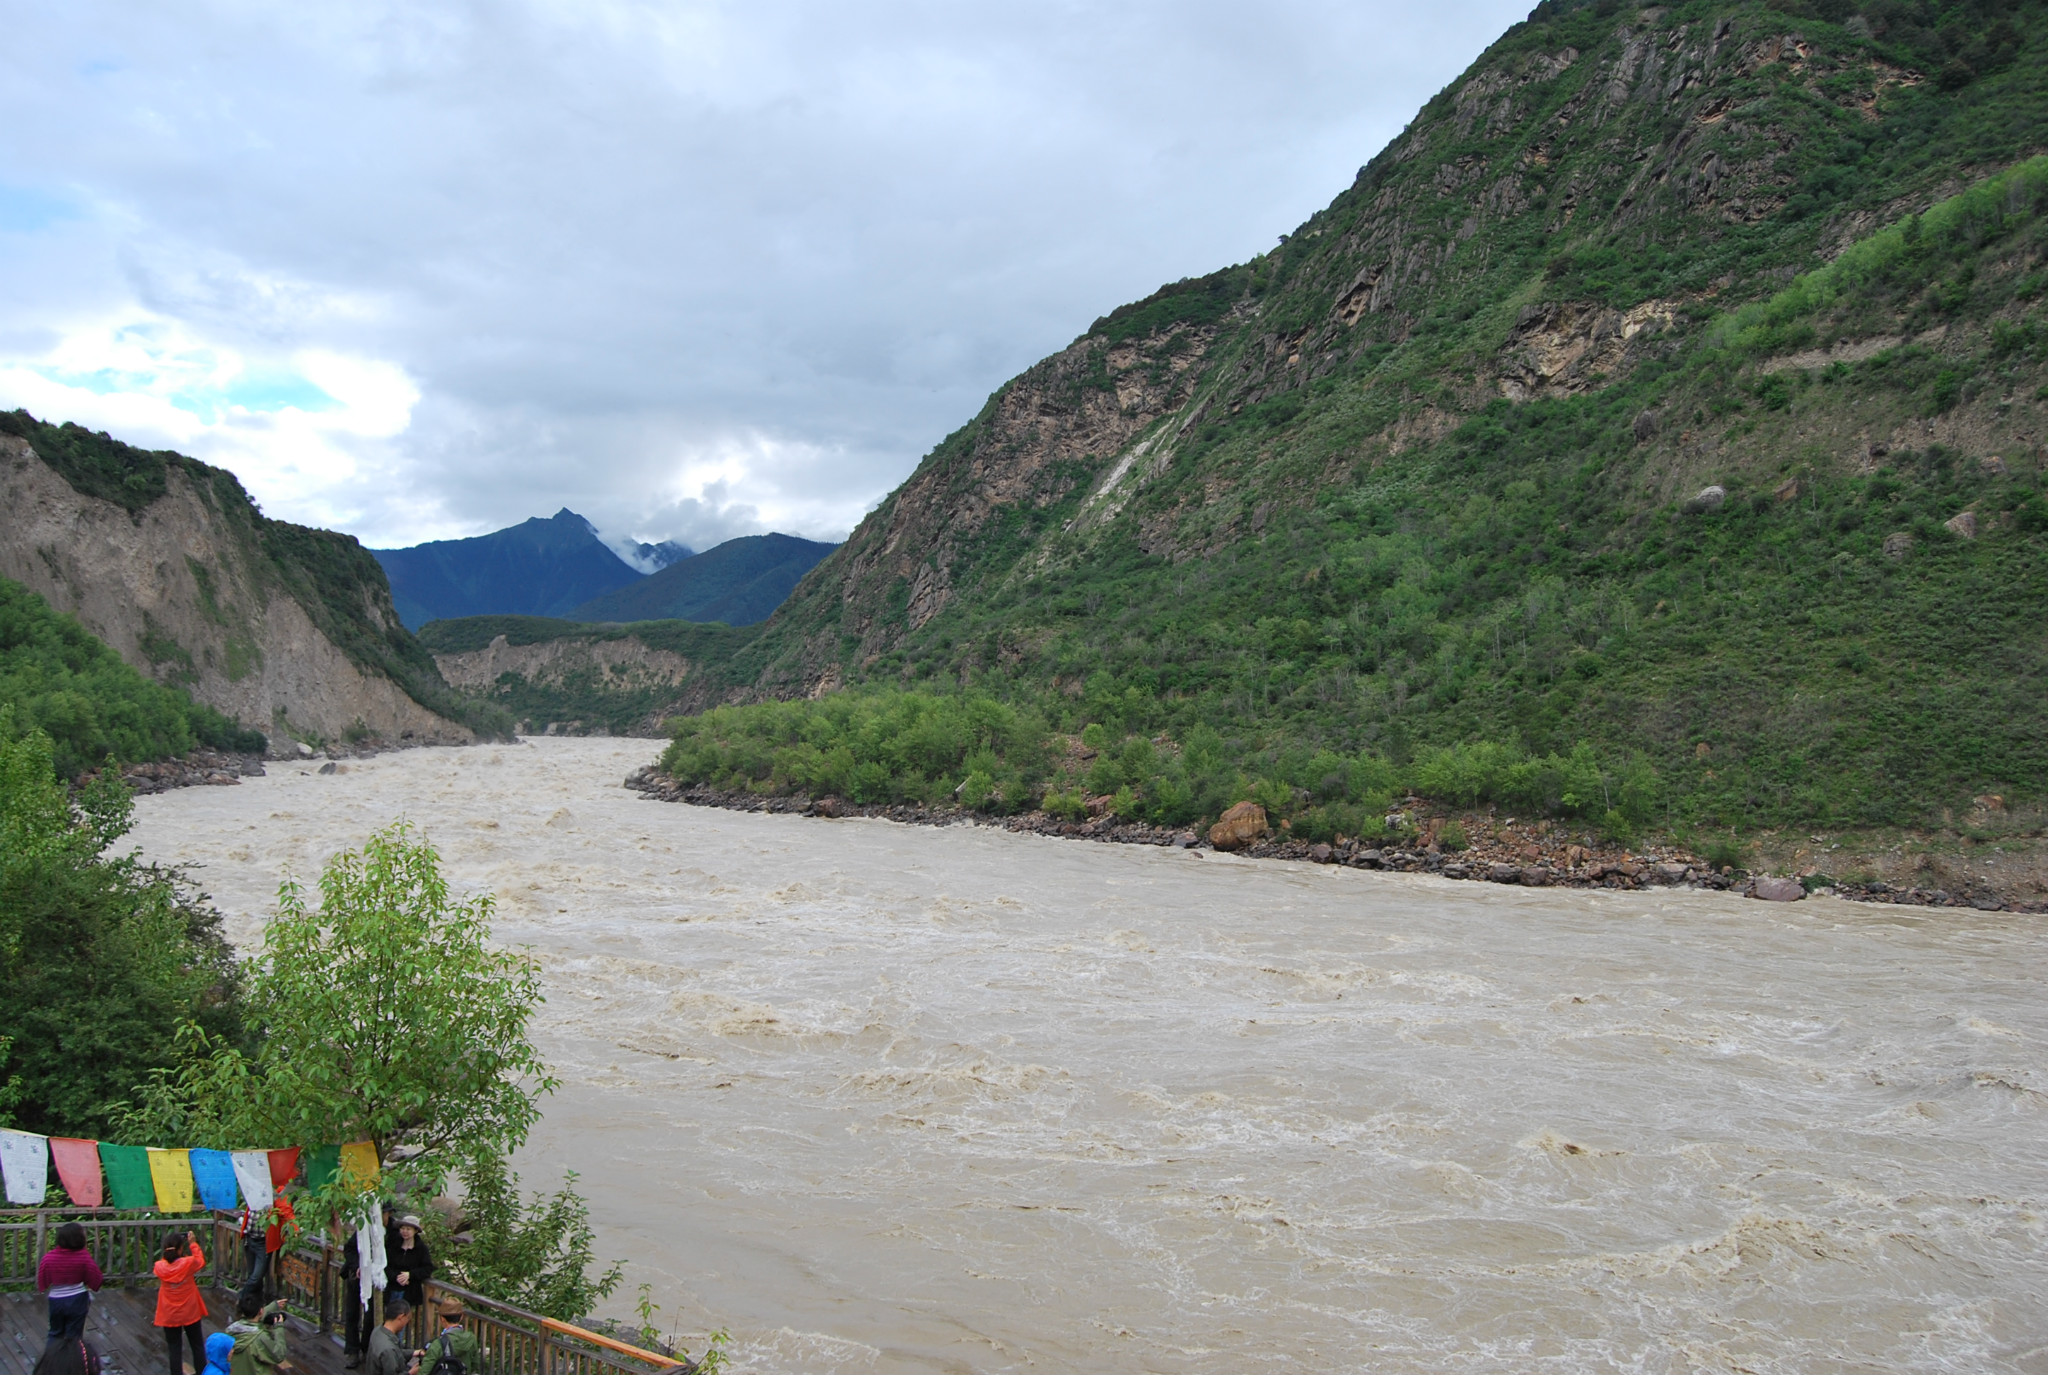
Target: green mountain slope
(1665, 388)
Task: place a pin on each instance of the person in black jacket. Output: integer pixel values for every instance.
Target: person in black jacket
(407, 1266)
(355, 1314)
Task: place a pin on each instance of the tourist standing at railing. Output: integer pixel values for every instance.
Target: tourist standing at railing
(179, 1309)
(69, 1275)
(255, 1259)
(355, 1309)
(263, 1237)
(408, 1267)
(454, 1349)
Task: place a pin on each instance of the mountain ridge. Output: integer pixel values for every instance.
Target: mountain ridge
(738, 582)
(543, 566)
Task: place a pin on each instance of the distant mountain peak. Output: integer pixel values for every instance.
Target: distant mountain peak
(540, 567)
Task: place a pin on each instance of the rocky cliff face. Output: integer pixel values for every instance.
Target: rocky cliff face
(627, 662)
(183, 594)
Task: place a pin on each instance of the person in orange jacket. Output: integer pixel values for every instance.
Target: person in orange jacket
(179, 1309)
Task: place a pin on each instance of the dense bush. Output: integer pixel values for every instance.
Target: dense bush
(894, 746)
(101, 958)
(870, 747)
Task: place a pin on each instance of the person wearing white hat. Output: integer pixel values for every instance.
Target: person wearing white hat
(409, 1266)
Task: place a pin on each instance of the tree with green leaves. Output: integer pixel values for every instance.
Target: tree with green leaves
(535, 1254)
(383, 1014)
(102, 957)
(388, 1016)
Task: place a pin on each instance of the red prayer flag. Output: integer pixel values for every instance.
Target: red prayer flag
(284, 1166)
(78, 1168)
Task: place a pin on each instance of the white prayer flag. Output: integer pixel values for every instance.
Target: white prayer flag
(25, 1162)
(252, 1172)
(370, 1249)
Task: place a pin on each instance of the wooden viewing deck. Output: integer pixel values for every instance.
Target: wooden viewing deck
(122, 1324)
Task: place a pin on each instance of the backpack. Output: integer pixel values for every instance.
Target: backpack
(447, 1363)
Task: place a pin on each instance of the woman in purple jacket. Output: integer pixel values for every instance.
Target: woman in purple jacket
(69, 1275)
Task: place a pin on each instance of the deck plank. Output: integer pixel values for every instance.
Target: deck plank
(122, 1325)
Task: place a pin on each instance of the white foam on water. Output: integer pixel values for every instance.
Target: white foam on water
(888, 1098)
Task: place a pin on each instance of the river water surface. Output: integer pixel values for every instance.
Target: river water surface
(877, 1097)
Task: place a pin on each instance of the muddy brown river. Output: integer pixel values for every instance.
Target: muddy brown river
(883, 1098)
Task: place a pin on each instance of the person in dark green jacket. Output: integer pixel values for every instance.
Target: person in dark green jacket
(455, 1349)
(259, 1336)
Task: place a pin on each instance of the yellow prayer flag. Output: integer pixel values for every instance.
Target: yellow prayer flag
(171, 1172)
(359, 1163)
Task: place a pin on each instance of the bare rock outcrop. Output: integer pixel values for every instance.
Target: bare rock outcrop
(1243, 825)
(626, 661)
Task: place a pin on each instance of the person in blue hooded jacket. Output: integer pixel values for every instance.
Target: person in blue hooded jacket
(220, 1349)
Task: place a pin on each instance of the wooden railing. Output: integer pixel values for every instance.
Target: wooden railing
(125, 1244)
(309, 1278)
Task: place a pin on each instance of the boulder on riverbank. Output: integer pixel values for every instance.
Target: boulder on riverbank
(1242, 826)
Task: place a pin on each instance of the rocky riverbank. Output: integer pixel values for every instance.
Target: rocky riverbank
(200, 769)
(1535, 854)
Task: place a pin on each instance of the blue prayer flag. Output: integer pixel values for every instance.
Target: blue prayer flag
(214, 1173)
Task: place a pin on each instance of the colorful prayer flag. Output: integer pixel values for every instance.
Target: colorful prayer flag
(359, 1164)
(284, 1166)
(170, 1172)
(128, 1179)
(322, 1162)
(213, 1172)
(252, 1172)
(78, 1166)
(25, 1166)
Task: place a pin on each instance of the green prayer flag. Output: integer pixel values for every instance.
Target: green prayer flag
(322, 1163)
(129, 1184)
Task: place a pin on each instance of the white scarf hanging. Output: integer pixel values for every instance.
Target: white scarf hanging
(252, 1172)
(370, 1250)
(25, 1163)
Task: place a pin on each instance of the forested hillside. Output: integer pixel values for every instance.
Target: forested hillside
(1672, 390)
(56, 678)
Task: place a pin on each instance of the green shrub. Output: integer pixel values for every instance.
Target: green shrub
(1724, 852)
(101, 958)
(1067, 806)
(1452, 837)
(882, 746)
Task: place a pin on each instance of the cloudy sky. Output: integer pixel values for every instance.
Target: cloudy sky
(692, 269)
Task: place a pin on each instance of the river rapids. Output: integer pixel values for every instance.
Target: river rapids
(881, 1098)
